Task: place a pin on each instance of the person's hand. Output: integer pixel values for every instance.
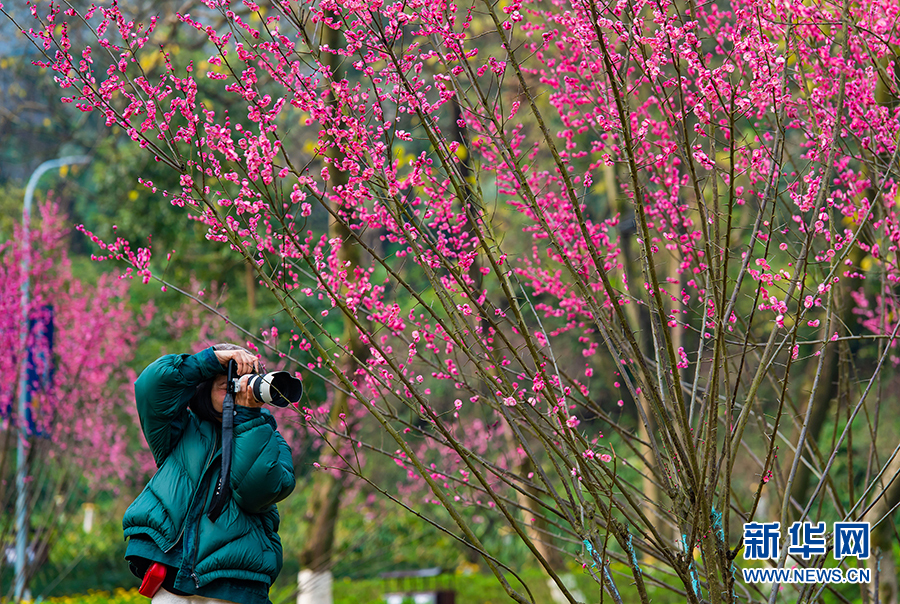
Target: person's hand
(246, 362)
(245, 398)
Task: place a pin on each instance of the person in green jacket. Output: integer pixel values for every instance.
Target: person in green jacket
(237, 556)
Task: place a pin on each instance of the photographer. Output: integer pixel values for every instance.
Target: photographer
(187, 536)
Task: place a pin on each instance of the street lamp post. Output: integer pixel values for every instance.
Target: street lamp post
(22, 442)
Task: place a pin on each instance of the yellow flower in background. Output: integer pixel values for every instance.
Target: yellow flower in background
(867, 263)
(119, 596)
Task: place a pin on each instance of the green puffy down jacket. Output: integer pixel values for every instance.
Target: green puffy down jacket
(242, 545)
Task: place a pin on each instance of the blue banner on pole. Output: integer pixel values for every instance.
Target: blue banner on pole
(39, 369)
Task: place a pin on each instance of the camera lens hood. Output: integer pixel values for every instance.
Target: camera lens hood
(278, 388)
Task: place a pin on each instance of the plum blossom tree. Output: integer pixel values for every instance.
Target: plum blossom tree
(79, 419)
(609, 259)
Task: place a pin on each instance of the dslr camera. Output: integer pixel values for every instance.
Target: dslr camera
(278, 388)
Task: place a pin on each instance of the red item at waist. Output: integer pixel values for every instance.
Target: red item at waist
(153, 579)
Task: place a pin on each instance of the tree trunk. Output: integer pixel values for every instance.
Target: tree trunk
(639, 319)
(827, 389)
(316, 559)
(884, 535)
(536, 528)
(314, 580)
(250, 283)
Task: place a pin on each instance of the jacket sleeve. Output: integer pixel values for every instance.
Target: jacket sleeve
(262, 471)
(162, 393)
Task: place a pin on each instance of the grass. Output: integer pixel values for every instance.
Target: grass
(472, 588)
(478, 588)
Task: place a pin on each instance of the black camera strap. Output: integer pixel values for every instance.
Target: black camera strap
(223, 488)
